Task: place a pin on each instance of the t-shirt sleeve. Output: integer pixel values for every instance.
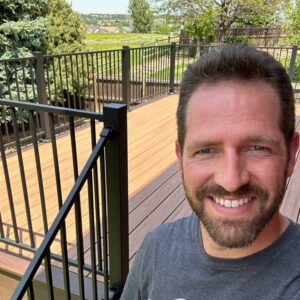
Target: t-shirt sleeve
(132, 289)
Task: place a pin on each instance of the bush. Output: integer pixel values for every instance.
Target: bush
(236, 39)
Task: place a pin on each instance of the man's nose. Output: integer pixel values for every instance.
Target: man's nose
(231, 172)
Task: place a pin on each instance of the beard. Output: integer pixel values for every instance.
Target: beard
(236, 232)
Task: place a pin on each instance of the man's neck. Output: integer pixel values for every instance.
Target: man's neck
(272, 231)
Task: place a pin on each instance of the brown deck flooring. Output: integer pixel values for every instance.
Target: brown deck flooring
(151, 136)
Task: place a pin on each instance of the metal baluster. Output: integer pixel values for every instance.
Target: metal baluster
(59, 197)
(78, 80)
(16, 80)
(67, 81)
(24, 80)
(104, 224)
(8, 81)
(72, 80)
(88, 80)
(31, 292)
(48, 273)
(9, 191)
(83, 79)
(23, 177)
(39, 170)
(54, 80)
(97, 201)
(78, 223)
(92, 234)
(1, 227)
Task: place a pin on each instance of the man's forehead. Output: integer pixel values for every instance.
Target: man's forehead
(208, 93)
(232, 106)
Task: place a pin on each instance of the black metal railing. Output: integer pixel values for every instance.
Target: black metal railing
(83, 239)
(85, 81)
(189, 53)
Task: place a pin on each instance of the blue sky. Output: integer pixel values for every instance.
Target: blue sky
(100, 6)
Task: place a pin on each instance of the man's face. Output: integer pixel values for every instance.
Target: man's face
(235, 161)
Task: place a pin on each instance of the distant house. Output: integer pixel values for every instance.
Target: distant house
(101, 29)
(91, 28)
(108, 29)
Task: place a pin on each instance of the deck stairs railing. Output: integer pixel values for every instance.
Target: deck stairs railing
(80, 250)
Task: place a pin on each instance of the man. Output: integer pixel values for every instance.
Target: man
(236, 147)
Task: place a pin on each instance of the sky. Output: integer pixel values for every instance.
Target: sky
(100, 6)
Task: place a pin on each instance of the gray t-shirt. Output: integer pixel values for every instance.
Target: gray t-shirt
(172, 264)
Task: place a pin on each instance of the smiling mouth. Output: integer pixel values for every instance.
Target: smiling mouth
(232, 203)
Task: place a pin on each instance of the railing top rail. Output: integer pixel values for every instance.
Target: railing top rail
(212, 45)
(151, 47)
(53, 109)
(82, 53)
(17, 59)
(63, 212)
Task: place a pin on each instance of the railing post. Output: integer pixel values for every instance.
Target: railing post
(126, 75)
(293, 61)
(172, 68)
(41, 91)
(115, 118)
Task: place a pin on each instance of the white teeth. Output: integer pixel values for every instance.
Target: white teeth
(235, 203)
(231, 203)
(227, 203)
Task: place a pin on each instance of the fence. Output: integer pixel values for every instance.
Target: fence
(83, 239)
(87, 80)
(84, 81)
(289, 57)
(258, 36)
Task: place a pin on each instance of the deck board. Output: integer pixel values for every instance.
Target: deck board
(291, 203)
(151, 135)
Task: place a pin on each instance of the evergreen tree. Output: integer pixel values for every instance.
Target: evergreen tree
(22, 27)
(142, 16)
(65, 30)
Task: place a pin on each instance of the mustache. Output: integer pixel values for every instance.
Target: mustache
(218, 191)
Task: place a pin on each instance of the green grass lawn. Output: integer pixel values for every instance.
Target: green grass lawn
(107, 41)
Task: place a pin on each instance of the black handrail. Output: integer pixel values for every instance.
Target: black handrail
(26, 280)
(108, 208)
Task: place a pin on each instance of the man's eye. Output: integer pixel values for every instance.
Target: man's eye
(207, 151)
(258, 148)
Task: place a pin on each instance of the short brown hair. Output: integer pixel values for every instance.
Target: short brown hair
(238, 62)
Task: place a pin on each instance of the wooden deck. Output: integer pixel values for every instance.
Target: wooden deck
(151, 136)
(155, 188)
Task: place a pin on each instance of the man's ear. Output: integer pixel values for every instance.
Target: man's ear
(179, 155)
(293, 152)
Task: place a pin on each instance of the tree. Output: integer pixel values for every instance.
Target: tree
(22, 31)
(203, 27)
(33, 25)
(142, 15)
(226, 12)
(22, 27)
(293, 22)
(65, 30)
